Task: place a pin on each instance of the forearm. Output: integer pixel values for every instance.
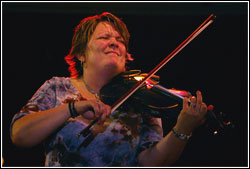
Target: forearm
(31, 129)
(165, 153)
(169, 149)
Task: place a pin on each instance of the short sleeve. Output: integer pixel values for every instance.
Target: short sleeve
(43, 99)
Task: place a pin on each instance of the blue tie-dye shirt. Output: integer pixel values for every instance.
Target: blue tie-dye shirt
(117, 142)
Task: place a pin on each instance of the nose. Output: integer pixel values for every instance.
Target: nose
(113, 43)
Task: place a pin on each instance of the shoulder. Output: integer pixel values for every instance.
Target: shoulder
(56, 79)
(55, 83)
(59, 81)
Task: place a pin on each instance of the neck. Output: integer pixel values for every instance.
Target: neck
(96, 80)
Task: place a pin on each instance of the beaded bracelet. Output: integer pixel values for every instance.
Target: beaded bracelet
(72, 109)
(181, 136)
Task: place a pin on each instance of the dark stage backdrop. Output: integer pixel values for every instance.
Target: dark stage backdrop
(37, 36)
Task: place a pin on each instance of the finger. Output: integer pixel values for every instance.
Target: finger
(204, 110)
(106, 113)
(193, 103)
(103, 115)
(108, 110)
(100, 104)
(199, 97)
(96, 108)
(185, 105)
(199, 101)
(204, 107)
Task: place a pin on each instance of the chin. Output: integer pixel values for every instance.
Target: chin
(114, 69)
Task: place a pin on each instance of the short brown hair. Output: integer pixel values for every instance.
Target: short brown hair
(83, 33)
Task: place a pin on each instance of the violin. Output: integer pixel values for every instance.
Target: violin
(156, 100)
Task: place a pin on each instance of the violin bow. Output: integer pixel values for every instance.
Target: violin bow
(121, 100)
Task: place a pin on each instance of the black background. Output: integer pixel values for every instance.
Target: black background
(37, 36)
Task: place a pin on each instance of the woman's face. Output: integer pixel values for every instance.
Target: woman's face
(105, 50)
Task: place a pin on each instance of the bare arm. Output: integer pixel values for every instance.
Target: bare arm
(169, 149)
(31, 129)
(165, 153)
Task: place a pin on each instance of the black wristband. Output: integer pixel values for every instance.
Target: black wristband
(72, 109)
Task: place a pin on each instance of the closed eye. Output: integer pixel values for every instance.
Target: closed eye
(120, 40)
(103, 37)
(106, 37)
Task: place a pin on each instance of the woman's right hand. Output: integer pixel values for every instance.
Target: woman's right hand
(91, 109)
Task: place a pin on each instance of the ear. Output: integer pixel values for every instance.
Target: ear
(81, 58)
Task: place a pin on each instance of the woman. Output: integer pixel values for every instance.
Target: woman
(63, 107)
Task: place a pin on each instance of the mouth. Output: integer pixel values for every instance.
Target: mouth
(113, 52)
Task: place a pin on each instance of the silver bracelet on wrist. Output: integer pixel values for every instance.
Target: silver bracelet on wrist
(181, 136)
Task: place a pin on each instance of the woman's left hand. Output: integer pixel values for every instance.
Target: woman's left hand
(192, 115)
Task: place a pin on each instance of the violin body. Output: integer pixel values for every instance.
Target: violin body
(146, 97)
(157, 101)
